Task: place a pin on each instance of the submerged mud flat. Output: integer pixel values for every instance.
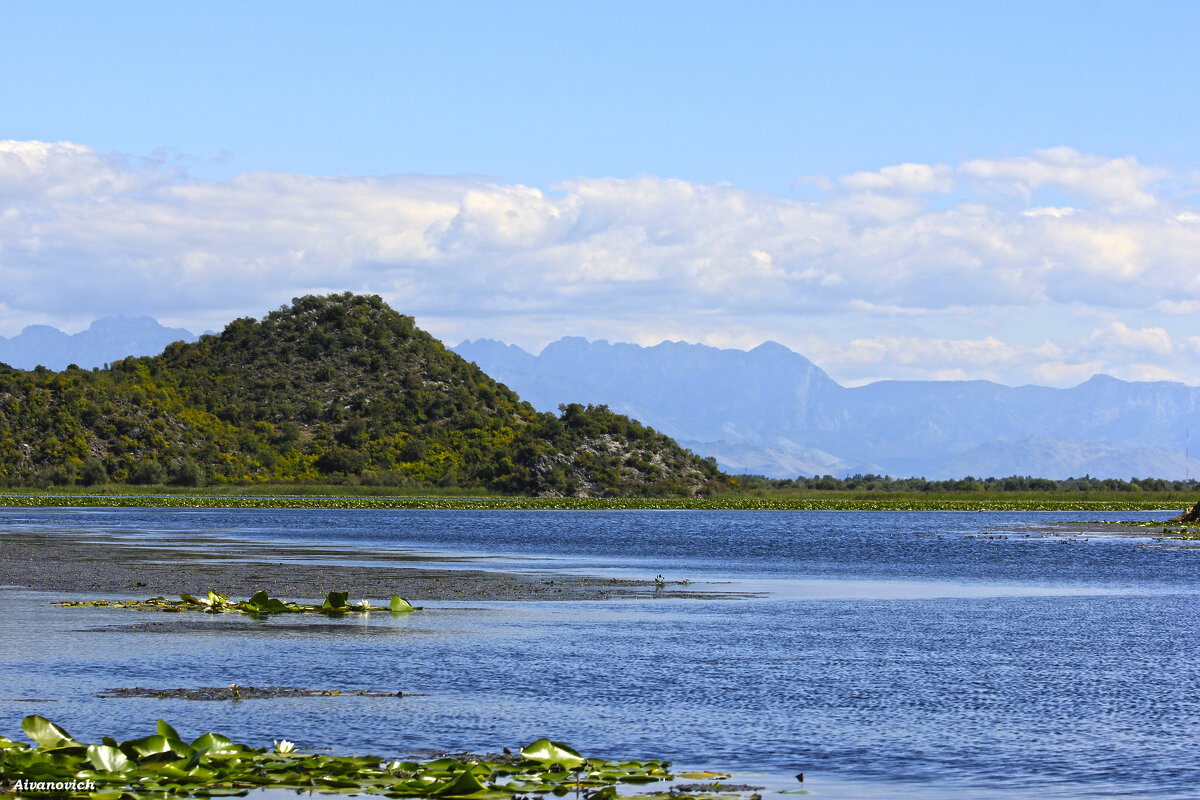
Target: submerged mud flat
(81, 561)
(1139, 534)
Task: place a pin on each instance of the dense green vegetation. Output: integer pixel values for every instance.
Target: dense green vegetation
(337, 389)
(776, 501)
(164, 765)
(259, 604)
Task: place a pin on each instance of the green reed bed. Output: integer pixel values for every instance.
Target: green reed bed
(731, 503)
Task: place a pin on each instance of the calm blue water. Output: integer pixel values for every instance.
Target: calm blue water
(889, 654)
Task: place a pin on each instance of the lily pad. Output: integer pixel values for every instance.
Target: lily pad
(45, 732)
(162, 766)
(108, 759)
(549, 753)
(258, 605)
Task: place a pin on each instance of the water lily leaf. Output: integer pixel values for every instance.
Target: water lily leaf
(214, 743)
(107, 758)
(414, 787)
(549, 753)
(465, 784)
(607, 793)
(187, 598)
(166, 730)
(105, 795)
(196, 774)
(399, 605)
(45, 732)
(335, 601)
(148, 746)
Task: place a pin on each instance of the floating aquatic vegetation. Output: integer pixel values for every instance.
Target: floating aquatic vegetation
(259, 604)
(237, 692)
(164, 765)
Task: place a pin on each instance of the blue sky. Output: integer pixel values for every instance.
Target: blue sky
(719, 172)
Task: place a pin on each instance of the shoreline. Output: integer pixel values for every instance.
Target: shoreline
(98, 563)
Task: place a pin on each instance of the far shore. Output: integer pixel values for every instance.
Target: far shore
(331, 497)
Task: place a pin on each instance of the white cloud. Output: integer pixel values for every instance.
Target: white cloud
(907, 178)
(1119, 336)
(1117, 184)
(1049, 211)
(878, 259)
(1177, 307)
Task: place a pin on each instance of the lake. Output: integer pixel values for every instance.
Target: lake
(919, 654)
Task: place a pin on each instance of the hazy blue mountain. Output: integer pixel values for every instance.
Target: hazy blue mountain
(105, 340)
(772, 411)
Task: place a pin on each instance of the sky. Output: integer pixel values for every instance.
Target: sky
(1006, 191)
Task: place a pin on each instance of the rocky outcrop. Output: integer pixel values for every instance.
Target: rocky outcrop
(1190, 515)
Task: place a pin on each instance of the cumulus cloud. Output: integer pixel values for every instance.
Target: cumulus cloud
(1119, 336)
(1048, 211)
(101, 233)
(909, 178)
(1118, 184)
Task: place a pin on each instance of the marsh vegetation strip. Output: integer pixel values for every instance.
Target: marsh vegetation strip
(765, 502)
(892, 653)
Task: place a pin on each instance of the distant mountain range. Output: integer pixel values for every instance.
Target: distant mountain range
(107, 340)
(772, 411)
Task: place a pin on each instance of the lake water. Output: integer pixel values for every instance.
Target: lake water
(886, 654)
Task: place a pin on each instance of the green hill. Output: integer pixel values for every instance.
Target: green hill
(335, 389)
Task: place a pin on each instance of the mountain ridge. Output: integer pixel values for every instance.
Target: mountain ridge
(780, 415)
(107, 339)
(772, 411)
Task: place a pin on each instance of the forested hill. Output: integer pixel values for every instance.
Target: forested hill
(338, 388)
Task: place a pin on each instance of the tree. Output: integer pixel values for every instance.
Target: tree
(188, 473)
(149, 472)
(93, 473)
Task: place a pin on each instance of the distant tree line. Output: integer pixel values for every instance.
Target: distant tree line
(1014, 483)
